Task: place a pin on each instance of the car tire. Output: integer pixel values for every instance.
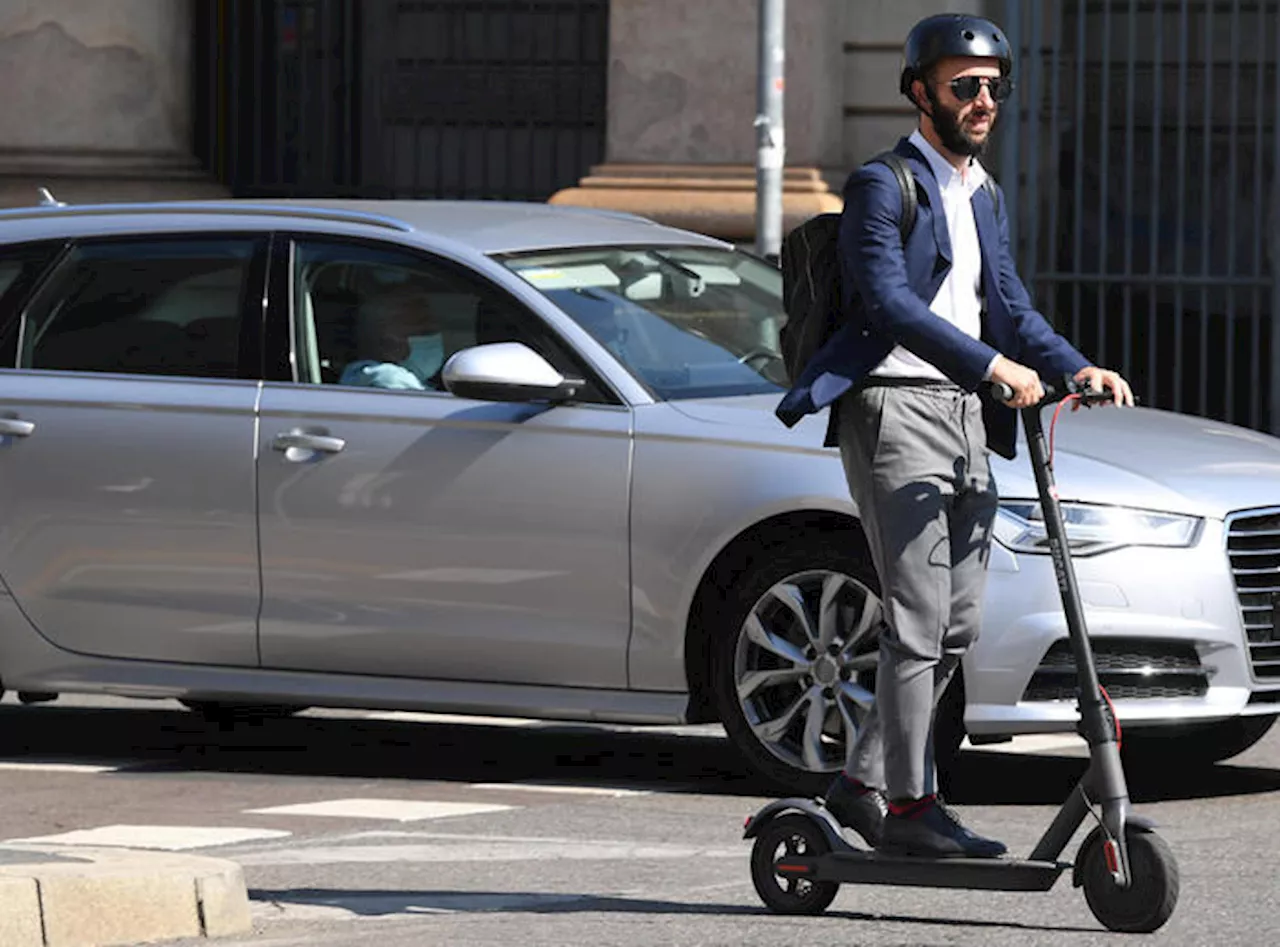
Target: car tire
(1194, 745)
(754, 596)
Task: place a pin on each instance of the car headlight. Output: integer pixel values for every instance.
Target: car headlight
(1020, 527)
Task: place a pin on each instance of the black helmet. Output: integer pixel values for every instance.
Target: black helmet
(951, 34)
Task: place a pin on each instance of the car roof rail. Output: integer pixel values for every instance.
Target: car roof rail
(49, 206)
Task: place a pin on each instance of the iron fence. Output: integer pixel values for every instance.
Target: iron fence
(1139, 165)
(487, 99)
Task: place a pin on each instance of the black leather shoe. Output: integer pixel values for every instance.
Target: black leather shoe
(862, 811)
(934, 831)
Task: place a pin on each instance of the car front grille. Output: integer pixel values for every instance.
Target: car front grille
(1129, 669)
(1253, 548)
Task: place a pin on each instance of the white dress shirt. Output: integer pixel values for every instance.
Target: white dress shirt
(959, 298)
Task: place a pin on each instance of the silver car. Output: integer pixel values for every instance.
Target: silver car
(520, 459)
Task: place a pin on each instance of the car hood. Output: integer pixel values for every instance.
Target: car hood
(1142, 457)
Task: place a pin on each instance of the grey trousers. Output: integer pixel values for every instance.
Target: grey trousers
(916, 462)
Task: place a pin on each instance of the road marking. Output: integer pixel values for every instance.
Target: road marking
(168, 837)
(1054, 744)
(399, 810)
(454, 849)
(58, 767)
(563, 788)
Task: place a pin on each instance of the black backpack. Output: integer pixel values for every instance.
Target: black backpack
(811, 273)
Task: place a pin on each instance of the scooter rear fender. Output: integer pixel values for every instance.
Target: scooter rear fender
(824, 819)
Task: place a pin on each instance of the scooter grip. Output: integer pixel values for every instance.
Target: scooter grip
(1000, 391)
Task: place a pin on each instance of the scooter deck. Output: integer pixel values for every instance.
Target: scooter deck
(856, 866)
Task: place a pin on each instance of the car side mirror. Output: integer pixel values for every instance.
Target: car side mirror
(506, 371)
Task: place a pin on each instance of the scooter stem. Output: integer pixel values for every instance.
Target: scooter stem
(1105, 783)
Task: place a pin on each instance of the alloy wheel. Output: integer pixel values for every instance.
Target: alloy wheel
(804, 667)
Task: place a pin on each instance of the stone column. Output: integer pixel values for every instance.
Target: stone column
(98, 101)
(681, 141)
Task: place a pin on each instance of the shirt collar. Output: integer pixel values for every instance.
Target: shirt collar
(947, 173)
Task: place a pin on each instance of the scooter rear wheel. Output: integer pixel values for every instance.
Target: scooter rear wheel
(790, 835)
(1149, 900)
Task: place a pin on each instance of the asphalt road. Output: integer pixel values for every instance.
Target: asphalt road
(397, 830)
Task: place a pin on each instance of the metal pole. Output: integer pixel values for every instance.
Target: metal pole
(770, 131)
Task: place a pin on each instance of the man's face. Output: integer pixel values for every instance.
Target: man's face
(963, 125)
(407, 312)
(397, 315)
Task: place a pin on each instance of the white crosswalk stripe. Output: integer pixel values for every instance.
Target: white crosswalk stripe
(398, 810)
(430, 847)
(167, 837)
(1033, 744)
(41, 767)
(566, 789)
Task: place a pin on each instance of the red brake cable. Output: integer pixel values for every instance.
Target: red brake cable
(1054, 423)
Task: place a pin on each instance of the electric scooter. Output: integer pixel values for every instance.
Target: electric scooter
(1129, 875)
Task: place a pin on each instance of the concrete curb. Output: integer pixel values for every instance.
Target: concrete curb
(59, 896)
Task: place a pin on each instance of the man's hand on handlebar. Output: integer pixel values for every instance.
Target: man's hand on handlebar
(1102, 379)
(1027, 389)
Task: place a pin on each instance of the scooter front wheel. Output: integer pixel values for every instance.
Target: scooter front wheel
(1149, 900)
(789, 836)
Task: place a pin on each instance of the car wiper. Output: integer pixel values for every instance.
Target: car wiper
(696, 281)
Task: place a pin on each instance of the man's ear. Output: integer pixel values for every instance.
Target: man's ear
(918, 96)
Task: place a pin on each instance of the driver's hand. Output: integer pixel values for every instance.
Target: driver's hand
(1027, 389)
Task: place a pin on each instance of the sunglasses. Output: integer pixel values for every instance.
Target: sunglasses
(966, 88)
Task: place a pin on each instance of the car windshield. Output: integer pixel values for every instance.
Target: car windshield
(687, 322)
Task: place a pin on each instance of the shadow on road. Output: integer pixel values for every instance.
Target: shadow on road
(165, 741)
(375, 903)
(1006, 780)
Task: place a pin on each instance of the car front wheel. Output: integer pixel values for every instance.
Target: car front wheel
(794, 661)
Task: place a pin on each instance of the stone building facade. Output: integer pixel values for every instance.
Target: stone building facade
(102, 103)
(682, 101)
(1137, 157)
(98, 101)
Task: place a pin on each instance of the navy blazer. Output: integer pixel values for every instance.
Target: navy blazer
(897, 283)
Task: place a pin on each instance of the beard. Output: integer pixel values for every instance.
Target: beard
(950, 131)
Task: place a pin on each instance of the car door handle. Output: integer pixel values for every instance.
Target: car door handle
(16, 427)
(308, 441)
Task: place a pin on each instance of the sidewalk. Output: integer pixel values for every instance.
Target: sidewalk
(52, 896)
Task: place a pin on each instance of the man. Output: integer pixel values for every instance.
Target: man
(400, 343)
(939, 316)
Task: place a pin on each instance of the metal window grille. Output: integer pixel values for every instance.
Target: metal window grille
(487, 99)
(1138, 155)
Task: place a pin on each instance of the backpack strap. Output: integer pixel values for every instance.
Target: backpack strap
(907, 182)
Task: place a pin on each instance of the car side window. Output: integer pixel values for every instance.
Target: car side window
(168, 306)
(378, 317)
(20, 269)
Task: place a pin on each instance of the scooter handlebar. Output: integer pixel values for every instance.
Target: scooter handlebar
(1055, 391)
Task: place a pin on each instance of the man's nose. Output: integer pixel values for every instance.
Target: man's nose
(985, 98)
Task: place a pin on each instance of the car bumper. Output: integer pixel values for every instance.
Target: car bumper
(1166, 629)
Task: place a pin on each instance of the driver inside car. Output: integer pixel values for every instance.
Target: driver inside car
(399, 342)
